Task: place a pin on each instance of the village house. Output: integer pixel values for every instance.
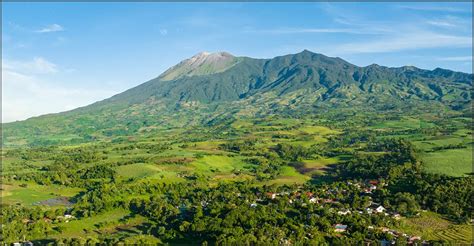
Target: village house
(340, 228)
(380, 209)
(69, 216)
(328, 201)
(413, 238)
(271, 195)
(396, 216)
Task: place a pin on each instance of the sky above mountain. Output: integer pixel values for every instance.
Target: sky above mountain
(59, 56)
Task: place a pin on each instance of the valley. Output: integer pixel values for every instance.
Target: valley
(246, 157)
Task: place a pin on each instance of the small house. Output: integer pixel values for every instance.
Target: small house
(340, 228)
(396, 216)
(380, 209)
(313, 200)
(374, 182)
(271, 195)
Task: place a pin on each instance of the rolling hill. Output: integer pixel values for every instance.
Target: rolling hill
(207, 89)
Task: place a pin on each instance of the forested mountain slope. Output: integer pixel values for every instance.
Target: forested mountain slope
(210, 88)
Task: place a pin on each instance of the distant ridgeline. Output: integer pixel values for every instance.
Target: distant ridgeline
(210, 89)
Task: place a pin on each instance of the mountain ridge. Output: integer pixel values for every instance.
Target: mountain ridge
(208, 87)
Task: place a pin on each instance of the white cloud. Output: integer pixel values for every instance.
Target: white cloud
(51, 28)
(37, 65)
(441, 23)
(29, 89)
(451, 22)
(433, 8)
(455, 58)
(414, 40)
(317, 30)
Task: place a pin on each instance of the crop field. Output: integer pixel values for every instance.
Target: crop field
(454, 162)
(404, 123)
(432, 227)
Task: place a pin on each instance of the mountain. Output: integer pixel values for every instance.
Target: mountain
(215, 87)
(201, 64)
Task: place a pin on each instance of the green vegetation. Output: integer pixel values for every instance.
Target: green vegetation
(454, 162)
(431, 226)
(301, 150)
(187, 186)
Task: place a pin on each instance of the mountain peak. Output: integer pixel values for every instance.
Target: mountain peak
(210, 57)
(202, 63)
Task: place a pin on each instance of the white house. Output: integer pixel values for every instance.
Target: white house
(380, 209)
(313, 200)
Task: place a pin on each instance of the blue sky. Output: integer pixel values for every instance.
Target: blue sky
(59, 56)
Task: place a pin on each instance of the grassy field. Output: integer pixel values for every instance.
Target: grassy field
(431, 226)
(218, 164)
(32, 193)
(454, 162)
(318, 166)
(404, 123)
(137, 170)
(319, 130)
(289, 175)
(86, 226)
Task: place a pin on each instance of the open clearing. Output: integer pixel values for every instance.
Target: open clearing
(32, 193)
(454, 162)
(431, 226)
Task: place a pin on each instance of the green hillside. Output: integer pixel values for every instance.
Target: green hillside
(212, 88)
